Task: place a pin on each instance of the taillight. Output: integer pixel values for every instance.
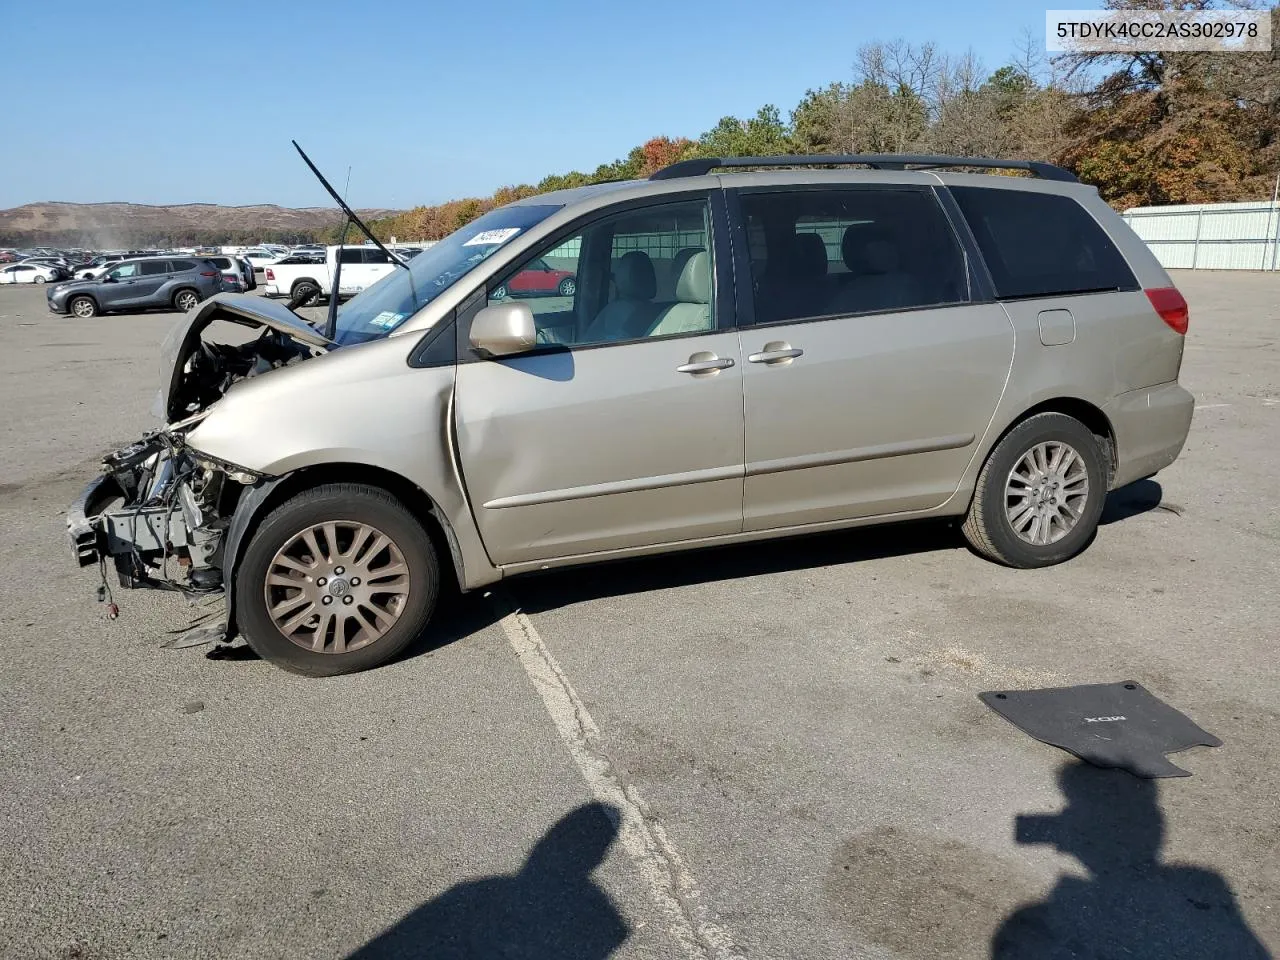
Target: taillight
(210, 273)
(1168, 302)
(270, 274)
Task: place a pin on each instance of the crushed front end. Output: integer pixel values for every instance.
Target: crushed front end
(159, 514)
(162, 512)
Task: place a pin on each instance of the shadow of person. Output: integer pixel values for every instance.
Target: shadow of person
(550, 908)
(1131, 905)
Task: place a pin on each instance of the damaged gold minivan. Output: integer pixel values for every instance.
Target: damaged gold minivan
(738, 356)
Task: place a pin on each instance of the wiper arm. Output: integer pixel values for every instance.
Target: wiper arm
(351, 214)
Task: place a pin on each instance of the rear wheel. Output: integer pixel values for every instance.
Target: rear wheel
(567, 287)
(305, 294)
(40, 279)
(1040, 493)
(338, 579)
(83, 307)
(185, 300)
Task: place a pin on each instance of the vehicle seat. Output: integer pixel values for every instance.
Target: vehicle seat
(692, 310)
(877, 280)
(632, 313)
(794, 284)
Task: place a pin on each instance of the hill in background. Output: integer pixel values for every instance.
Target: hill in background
(108, 226)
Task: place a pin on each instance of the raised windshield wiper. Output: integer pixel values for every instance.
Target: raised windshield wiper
(351, 214)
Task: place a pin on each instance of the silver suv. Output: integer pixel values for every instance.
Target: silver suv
(744, 356)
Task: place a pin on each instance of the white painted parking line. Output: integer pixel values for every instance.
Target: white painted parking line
(1211, 406)
(645, 841)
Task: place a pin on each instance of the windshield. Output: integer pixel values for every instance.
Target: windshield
(402, 293)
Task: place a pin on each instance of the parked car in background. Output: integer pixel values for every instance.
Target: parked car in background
(28, 271)
(237, 273)
(539, 280)
(250, 278)
(175, 283)
(260, 257)
(98, 266)
(362, 267)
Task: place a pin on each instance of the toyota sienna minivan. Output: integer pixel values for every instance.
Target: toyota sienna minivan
(743, 355)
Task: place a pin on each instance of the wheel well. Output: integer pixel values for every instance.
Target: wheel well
(414, 498)
(82, 296)
(1086, 413)
(181, 290)
(300, 281)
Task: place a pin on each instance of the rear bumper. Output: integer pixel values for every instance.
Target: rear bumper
(1151, 426)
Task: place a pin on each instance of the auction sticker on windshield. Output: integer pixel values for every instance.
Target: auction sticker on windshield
(486, 237)
(387, 318)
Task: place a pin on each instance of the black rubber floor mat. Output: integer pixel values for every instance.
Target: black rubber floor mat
(1106, 724)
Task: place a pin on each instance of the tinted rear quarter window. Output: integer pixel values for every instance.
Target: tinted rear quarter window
(376, 256)
(177, 266)
(349, 255)
(1041, 244)
(151, 268)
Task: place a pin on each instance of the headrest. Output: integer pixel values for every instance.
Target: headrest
(694, 283)
(868, 249)
(809, 256)
(681, 258)
(635, 277)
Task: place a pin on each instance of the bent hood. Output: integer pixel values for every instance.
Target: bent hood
(245, 309)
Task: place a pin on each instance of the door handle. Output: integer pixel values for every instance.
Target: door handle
(776, 351)
(705, 362)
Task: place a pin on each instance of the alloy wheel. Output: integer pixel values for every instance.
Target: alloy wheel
(1046, 492)
(337, 586)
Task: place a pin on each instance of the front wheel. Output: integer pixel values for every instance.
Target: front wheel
(1040, 494)
(185, 300)
(84, 307)
(568, 286)
(338, 579)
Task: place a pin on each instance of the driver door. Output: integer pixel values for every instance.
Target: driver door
(117, 288)
(624, 427)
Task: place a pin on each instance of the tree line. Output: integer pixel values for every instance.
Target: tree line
(1144, 128)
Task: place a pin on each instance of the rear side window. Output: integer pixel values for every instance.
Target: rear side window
(1041, 244)
(177, 266)
(376, 256)
(818, 253)
(351, 255)
(151, 268)
(222, 263)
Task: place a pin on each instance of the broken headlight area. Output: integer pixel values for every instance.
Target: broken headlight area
(159, 513)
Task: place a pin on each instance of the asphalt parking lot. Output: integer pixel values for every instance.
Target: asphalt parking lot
(765, 751)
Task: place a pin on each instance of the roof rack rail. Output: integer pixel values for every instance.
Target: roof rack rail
(877, 161)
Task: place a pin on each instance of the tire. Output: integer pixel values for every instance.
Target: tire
(40, 280)
(185, 299)
(568, 286)
(83, 307)
(499, 294)
(281, 539)
(305, 293)
(1077, 487)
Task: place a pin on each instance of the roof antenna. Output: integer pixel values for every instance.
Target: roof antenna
(331, 318)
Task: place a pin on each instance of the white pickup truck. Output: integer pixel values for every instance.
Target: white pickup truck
(307, 279)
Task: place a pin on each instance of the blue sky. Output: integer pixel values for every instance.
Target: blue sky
(173, 103)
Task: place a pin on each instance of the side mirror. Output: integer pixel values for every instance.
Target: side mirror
(108, 278)
(503, 329)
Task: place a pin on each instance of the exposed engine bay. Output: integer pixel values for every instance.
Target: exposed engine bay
(161, 510)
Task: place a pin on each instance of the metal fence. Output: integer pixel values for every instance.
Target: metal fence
(1211, 236)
